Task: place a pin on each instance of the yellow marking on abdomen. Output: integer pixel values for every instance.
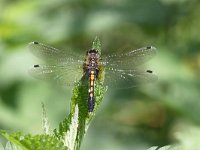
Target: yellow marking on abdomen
(91, 89)
(92, 77)
(91, 95)
(92, 83)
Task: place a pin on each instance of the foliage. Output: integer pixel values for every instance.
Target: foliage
(134, 118)
(9, 146)
(34, 142)
(164, 148)
(72, 129)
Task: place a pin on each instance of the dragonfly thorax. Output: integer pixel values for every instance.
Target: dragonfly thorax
(92, 54)
(91, 62)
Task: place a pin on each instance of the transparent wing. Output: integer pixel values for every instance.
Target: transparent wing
(129, 60)
(65, 74)
(128, 78)
(48, 53)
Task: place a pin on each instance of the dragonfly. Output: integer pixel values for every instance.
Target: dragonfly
(122, 69)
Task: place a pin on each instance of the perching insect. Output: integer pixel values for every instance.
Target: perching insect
(122, 70)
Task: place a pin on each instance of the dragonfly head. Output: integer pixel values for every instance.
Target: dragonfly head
(93, 53)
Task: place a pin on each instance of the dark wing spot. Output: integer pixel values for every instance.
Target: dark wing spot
(35, 43)
(149, 47)
(149, 71)
(36, 66)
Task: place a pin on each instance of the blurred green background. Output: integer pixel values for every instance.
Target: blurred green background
(136, 118)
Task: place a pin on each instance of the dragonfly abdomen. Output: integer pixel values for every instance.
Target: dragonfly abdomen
(91, 68)
(91, 99)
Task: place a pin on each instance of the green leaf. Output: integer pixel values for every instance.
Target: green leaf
(97, 44)
(167, 147)
(73, 128)
(10, 146)
(34, 142)
(45, 122)
(1, 147)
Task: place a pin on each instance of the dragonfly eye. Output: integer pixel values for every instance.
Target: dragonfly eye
(92, 51)
(149, 71)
